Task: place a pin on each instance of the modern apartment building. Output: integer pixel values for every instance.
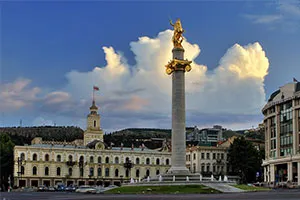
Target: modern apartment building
(282, 129)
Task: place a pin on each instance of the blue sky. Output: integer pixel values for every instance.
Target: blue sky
(44, 45)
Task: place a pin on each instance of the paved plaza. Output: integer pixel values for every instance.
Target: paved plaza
(274, 194)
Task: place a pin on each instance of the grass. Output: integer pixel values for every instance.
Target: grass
(165, 189)
(251, 188)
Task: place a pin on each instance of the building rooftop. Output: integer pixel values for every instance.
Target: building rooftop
(136, 149)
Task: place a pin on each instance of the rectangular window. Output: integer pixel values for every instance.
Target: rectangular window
(207, 155)
(214, 155)
(202, 156)
(207, 168)
(222, 156)
(202, 168)
(194, 156)
(214, 168)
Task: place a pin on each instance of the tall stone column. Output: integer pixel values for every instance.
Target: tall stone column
(177, 67)
(178, 118)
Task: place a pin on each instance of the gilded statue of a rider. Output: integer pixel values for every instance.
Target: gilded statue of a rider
(177, 36)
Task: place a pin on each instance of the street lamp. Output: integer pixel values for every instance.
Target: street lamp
(21, 161)
(128, 165)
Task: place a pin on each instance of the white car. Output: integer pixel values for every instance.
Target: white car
(86, 189)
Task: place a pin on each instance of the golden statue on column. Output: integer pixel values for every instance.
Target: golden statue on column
(178, 63)
(177, 36)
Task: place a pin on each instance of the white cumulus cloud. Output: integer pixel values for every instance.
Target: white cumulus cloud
(235, 86)
(140, 95)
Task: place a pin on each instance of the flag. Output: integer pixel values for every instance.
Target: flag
(295, 80)
(95, 88)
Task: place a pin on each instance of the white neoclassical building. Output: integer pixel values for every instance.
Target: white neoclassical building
(282, 130)
(88, 161)
(207, 159)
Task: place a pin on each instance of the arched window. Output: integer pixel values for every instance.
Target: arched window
(148, 172)
(99, 171)
(91, 159)
(116, 173)
(34, 157)
(117, 160)
(99, 159)
(148, 161)
(107, 160)
(208, 167)
(157, 172)
(22, 156)
(22, 170)
(137, 161)
(137, 173)
(91, 171)
(70, 158)
(58, 158)
(34, 170)
(157, 161)
(81, 171)
(70, 171)
(58, 171)
(127, 173)
(47, 157)
(46, 171)
(107, 172)
(167, 162)
(81, 159)
(126, 159)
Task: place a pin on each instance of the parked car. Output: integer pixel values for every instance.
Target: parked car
(86, 189)
(70, 188)
(51, 189)
(60, 187)
(42, 188)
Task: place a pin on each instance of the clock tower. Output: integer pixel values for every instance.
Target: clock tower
(93, 130)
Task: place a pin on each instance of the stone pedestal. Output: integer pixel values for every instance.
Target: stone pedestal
(178, 165)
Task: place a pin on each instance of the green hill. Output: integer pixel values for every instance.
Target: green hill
(24, 135)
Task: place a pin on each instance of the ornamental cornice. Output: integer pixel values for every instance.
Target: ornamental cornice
(272, 103)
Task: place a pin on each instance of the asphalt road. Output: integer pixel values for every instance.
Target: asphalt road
(275, 194)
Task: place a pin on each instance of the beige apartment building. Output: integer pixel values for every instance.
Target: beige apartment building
(282, 129)
(207, 159)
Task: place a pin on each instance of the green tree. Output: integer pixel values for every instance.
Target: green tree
(6, 159)
(244, 159)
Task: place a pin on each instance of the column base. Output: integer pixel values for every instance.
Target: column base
(178, 171)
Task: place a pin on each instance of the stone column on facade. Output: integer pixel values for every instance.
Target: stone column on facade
(290, 171)
(272, 173)
(265, 174)
(296, 128)
(298, 172)
(268, 138)
(295, 132)
(277, 118)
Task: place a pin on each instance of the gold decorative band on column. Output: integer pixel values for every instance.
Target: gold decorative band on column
(178, 65)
